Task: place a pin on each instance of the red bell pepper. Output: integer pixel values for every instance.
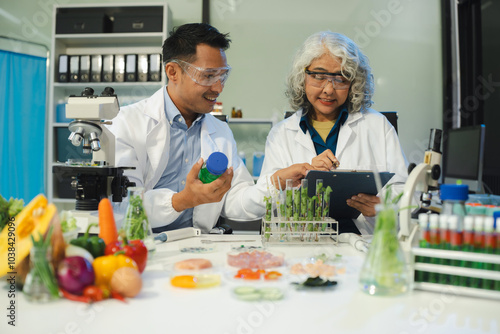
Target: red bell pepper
(134, 249)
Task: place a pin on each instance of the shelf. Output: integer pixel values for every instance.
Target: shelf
(60, 125)
(111, 43)
(136, 39)
(56, 200)
(82, 85)
(250, 120)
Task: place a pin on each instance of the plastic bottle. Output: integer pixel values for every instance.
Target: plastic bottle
(454, 197)
(214, 167)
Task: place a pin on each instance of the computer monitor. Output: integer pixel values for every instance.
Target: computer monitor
(463, 159)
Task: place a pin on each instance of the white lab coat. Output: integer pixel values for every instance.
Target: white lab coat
(367, 141)
(142, 141)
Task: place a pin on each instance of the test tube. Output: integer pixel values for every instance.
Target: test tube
(468, 245)
(434, 235)
(497, 266)
(478, 247)
(489, 242)
(289, 206)
(444, 236)
(303, 206)
(424, 242)
(455, 245)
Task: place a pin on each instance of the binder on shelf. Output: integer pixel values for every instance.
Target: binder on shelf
(84, 68)
(95, 68)
(142, 67)
(74, 68)
(154, 67)
(119, 68)
(62, 75)
(131, 68)
(108, 65)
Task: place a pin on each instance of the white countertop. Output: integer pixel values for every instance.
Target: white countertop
(161, 308)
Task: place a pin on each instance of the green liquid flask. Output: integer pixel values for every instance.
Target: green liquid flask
(214, 167)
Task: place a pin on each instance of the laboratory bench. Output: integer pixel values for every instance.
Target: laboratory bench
(162, 308)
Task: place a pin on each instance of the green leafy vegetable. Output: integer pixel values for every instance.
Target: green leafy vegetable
(68, 222)
(41, 266)
(9, 209)
(136, 220)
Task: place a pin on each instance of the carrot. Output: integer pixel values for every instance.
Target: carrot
(107, 225)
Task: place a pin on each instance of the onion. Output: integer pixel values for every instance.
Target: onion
(74, 274)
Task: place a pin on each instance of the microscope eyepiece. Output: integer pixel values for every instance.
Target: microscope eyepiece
(435, 140)
(88, 92)
(108, 91)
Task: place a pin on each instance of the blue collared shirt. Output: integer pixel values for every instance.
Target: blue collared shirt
(333, 136)
(184, 151)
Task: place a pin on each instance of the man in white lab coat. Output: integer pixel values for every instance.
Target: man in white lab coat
(168, 136)
(331, 86)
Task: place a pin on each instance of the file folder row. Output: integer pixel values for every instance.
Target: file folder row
(109, 68)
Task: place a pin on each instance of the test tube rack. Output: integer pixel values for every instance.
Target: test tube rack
(432, 266)
(301, 232)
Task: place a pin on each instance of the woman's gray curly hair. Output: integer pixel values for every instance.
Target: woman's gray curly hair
(354, 64)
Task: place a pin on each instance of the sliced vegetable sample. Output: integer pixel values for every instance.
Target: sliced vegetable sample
(193, 264)
(195, 281)
(249, 274)
(250, 294)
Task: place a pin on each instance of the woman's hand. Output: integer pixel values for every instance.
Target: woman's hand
(295, 172)
(326, 161)
(364, 203)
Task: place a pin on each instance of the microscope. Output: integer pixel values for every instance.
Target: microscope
(100, 178)
(422, 178)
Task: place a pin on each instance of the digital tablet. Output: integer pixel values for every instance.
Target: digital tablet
(345, 184)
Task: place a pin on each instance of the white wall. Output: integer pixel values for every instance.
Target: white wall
(402, 38)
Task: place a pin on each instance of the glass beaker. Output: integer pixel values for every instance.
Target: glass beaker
(40, 284)
(385, 271)
(136, 224)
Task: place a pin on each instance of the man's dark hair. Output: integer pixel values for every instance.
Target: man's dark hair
(182, 41)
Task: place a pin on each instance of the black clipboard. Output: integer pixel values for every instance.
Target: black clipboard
(344, 185)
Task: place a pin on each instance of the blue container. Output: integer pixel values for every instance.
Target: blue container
(258, 159)
(61, 113)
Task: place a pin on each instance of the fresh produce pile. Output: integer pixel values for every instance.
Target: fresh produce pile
(87, 269)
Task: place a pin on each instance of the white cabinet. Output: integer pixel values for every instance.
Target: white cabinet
(59, 149)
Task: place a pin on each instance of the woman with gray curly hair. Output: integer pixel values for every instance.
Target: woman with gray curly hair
(330, 87)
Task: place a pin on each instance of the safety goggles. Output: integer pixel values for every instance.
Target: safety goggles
(320, 79)
(204, 76)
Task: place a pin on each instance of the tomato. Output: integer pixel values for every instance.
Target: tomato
(94, 293)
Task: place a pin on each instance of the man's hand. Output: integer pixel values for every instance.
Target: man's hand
(364, 203)
(196, 192)
(326, 161)
(295, 172)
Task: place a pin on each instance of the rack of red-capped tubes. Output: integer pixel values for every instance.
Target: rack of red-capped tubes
(458, 254)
